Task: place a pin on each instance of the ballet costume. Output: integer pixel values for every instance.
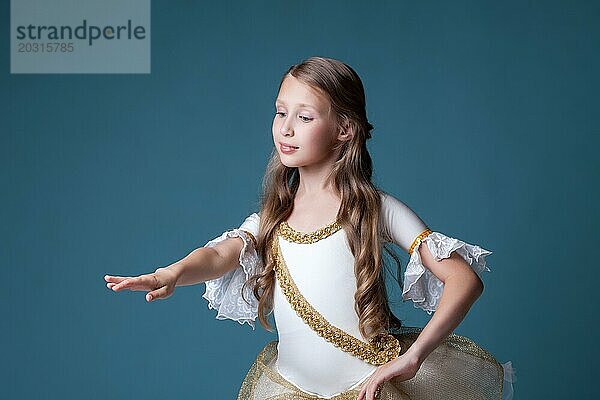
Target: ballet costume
(320, 352)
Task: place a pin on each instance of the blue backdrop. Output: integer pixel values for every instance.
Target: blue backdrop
(486, 124)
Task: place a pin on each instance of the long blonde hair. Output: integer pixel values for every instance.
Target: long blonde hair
(359, 213)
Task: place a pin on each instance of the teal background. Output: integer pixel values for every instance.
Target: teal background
(486, 124)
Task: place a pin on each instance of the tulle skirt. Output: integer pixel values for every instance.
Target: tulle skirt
(458, 369)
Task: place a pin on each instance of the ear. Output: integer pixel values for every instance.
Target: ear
(346, 131)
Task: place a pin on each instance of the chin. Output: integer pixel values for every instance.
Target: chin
(288, 163)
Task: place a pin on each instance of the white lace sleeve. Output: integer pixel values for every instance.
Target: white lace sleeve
(403, 227)
(421, 285)
(224, 294)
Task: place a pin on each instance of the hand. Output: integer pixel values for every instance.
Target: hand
(160, 283)
(401, 368)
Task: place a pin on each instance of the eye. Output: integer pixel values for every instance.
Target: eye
(302, 117)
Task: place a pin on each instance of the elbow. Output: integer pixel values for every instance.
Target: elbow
(477, 285)
(472, 283)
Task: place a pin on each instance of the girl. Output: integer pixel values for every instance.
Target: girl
(312, 255)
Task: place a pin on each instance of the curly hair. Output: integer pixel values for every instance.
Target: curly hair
(359, 213)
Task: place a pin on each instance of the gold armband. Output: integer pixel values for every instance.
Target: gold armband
(418, 239)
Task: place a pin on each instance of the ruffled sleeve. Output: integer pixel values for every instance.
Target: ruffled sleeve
(224, 294)
(403, 227)
(510, 376)
(420, 284)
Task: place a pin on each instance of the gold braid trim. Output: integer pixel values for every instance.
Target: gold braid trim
(418, 239)
(381, 349)
(292, 235)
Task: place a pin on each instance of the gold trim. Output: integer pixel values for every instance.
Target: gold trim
(381, 349)
(251, 237)
(418, 239)
(292, 235)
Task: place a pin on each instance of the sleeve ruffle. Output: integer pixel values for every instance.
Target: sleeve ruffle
(510, 376)
(224, 293)
(421, 285)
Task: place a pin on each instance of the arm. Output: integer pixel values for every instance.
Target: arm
(462, 287)
(443, 273)
(208, 263)
(236, 260)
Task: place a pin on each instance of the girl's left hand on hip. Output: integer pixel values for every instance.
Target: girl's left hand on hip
(402, 368)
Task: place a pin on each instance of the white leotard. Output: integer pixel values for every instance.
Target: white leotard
(304, 358)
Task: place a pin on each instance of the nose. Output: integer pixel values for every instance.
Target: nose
(286, 129)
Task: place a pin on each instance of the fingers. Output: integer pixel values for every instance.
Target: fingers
(161, 293)
(158, 289)
(363, 392)
(142, 282)
(373, 391)
(113, 280)
(370, 391)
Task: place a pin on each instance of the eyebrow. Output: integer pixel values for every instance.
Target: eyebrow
(300, 104)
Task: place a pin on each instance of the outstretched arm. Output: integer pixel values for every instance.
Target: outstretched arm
(199, 266)
(208, 263)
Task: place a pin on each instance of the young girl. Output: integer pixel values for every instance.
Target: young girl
(313, 256)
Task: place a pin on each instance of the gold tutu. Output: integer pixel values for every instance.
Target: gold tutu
(458, 369)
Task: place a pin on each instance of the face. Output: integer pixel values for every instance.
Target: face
(303, 119)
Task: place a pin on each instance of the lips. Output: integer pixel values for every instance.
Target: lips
(287, 150)
(288, 145)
